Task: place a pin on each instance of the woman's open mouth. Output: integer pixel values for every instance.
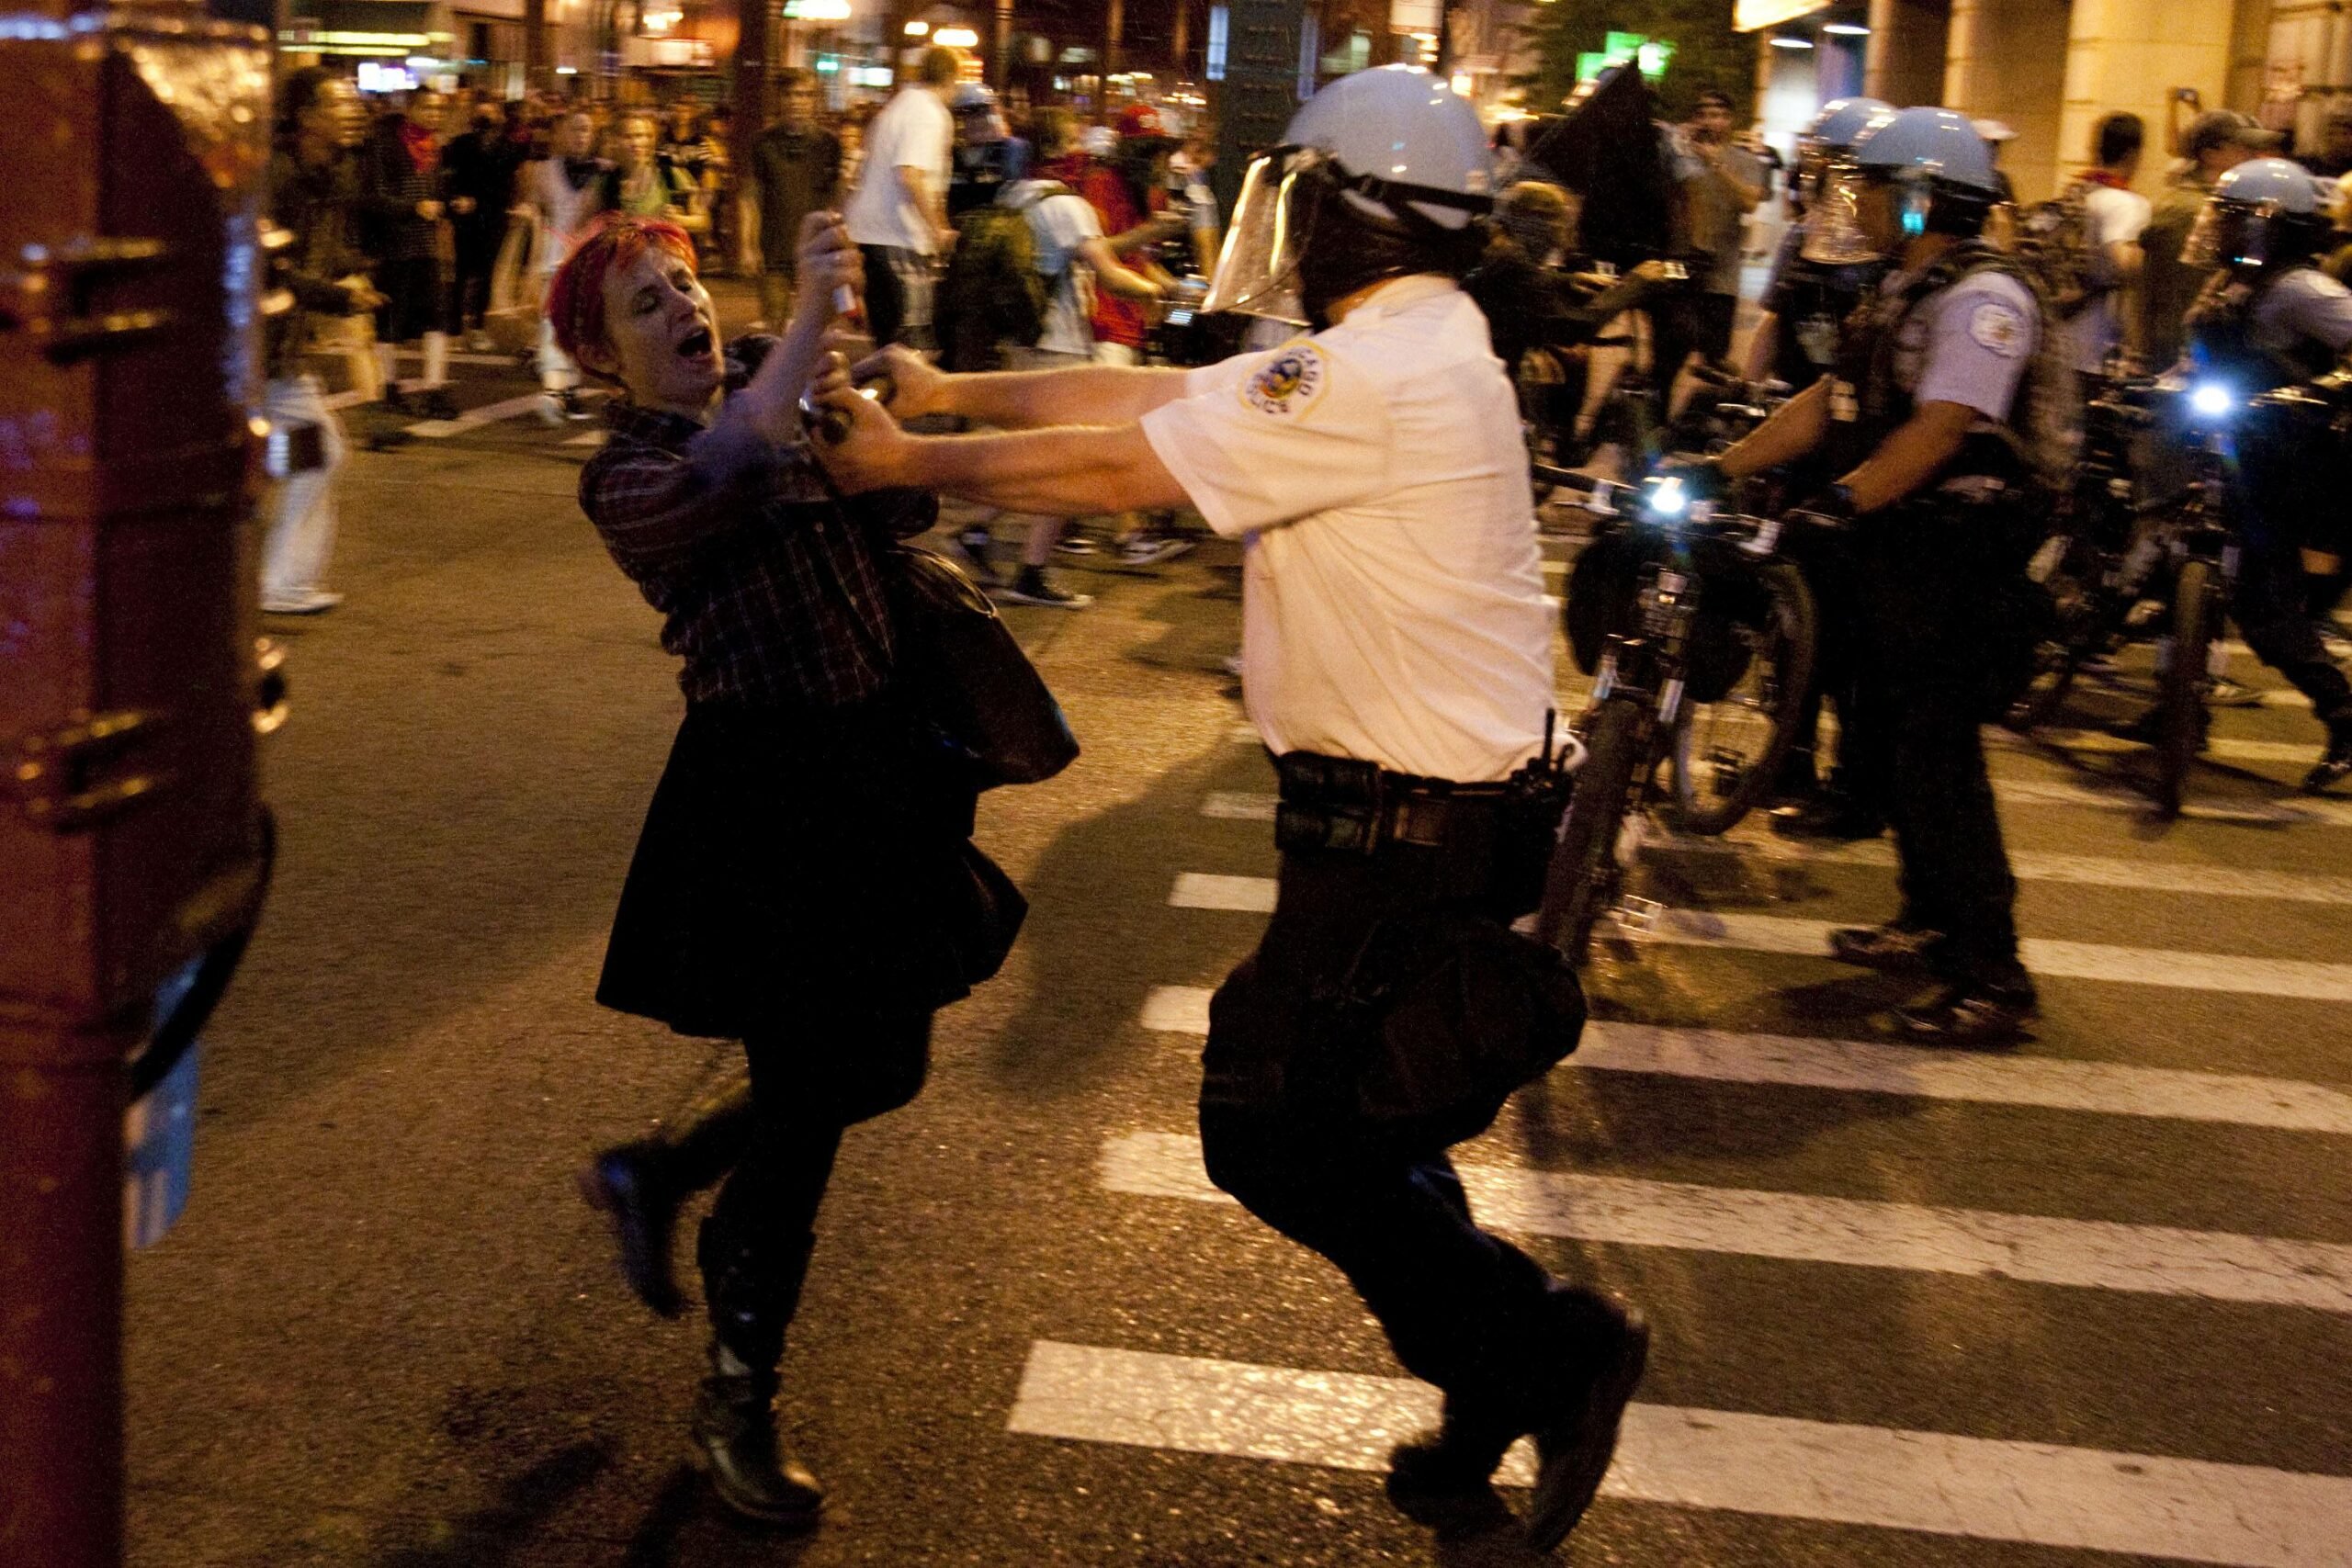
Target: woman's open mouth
(695, 345)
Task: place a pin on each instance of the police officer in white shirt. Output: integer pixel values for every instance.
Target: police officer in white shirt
(1397, 663)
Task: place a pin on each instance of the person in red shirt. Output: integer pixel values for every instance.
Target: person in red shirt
(1128, 193)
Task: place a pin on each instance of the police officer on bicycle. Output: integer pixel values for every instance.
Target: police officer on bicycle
(1396, 660)
(2269, 317)
(1925, 422)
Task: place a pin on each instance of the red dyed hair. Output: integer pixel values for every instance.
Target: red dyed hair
(576, 297)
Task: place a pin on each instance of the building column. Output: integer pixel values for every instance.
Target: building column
(2134, 54)
(536, 74)
(1903, 63)
(751, 87)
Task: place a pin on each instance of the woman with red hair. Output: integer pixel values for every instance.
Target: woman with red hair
(805, 882)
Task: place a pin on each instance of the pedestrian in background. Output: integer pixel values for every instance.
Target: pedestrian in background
(2214, 143)
(567, 189)
(1722, 185)
(805, 882)
(796, 169)
(313, 189)
(2114, 216)
(643, 183)
(897, 214)
(480, 167)
(405, 208)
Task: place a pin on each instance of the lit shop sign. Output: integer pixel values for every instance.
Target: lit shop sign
(816, 10)
(1749, 15)
(390, 46)
(1649, 56)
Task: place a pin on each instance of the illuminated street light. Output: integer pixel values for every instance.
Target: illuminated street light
(1789, 41)
(956, 37)
(1846, 29)
(917, 30)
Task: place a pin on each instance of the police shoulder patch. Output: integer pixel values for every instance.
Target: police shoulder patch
(1998, 328)
(1289, 383)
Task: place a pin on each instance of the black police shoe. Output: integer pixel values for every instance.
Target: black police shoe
(1445, 1479)
(2336, 765)
(1895, 946)
(1573, 1450)
(735, 1439)
(1972, 1013)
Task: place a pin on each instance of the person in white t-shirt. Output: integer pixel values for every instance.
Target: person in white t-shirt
(897, 214)
(2113, 215)
(1397, 661)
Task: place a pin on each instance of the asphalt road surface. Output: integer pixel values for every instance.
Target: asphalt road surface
(2084, 1301)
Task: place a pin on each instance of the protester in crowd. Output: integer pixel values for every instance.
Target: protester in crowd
(850, 131)
(796, 169)
(313, 188)
(2333, 160)
(1077, 264)
(2213, 144)
(897, 214)
(405, 210)
(2114, 216)
(567, 190)
(988, 157)
(642, 183)
(805, 882)
(1129, 194)
(1189, 174)
(1723, 183)
(480, 167)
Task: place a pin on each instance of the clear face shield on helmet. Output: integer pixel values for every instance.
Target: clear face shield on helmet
(2227, 234)
(1257, 271)
(1834, 234)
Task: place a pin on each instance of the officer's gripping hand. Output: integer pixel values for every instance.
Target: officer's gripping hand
(859, 444)
(916, 386)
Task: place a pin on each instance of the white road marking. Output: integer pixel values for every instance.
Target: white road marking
(2221, 747)
(489, 413)
(1250, 806)
(1853, 1233)
(2229, 973)
(506, 361)
(351, 399)
(1863, 1067)
(2038, 1494)
(1194, 890)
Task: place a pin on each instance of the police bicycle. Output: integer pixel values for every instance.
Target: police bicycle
(1702, 643)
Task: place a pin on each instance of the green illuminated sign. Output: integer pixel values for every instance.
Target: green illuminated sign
(1649, 56)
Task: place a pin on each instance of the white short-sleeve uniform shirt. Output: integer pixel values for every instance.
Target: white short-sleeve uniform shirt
(2110, 217)
(913, 131)
(1392, 590)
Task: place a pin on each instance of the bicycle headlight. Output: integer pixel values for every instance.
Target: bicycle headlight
(2211, 400)
(1669, 499)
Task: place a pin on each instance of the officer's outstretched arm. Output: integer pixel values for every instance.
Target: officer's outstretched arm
(1795, 429)
(1073, 471)
(1024, 399)
(1910, 459)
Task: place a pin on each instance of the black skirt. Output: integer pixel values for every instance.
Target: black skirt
(805, 865)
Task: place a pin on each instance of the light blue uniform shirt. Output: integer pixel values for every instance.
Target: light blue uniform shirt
(1969, 343)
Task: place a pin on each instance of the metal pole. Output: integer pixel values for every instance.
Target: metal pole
(1001, 53)
(536, 64)
(751, 73)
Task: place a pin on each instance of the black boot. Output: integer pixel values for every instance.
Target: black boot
(751, 1292)
(1445, 1478)
(640, 1185)
(2334, 764)
(734, 1433)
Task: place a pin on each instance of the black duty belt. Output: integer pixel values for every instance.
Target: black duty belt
(1342, 802)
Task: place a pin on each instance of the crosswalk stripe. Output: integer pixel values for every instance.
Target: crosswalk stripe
(2104, 1088)
(2221, 747)
(2036, 1494)
(1848, 1232)
(1252, 806)
(2231, 973)
(1197, 891)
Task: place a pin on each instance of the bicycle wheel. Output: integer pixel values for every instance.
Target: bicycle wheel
(2181, 698)
(1727, 752)
(1582, 877)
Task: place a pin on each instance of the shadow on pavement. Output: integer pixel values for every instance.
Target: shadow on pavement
(510, 1521)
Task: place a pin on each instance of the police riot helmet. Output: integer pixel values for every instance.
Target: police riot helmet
(2266, 214)
(1941, 171)
(1382, 174)
(1842, 122)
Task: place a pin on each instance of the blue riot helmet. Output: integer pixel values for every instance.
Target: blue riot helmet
(2265, 215)
(1940, 170)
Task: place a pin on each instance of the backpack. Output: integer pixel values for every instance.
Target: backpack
(2053, 247)
(993, 293)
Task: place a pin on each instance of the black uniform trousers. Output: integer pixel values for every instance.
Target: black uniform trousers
(1280, 1131)
(2273, 599)
(1943, 637)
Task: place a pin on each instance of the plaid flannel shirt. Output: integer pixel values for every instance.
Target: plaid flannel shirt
(769, 591)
